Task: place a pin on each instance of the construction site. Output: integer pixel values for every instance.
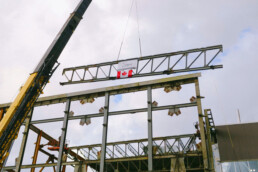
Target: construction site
(147, 113)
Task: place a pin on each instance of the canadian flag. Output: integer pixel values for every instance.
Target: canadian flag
(124, 74)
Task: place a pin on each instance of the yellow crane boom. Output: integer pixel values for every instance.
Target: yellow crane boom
(23, 103)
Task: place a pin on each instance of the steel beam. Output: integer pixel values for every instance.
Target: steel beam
(50, 158)
(24, 141)
(104, 133)
(132, 111)
(63, 136)
(48, 154)
(159, 64)
(136, 141)
(49, 138)
(150, 142)
(97, 161)
(201, 125)
(113, 90)
(148, 74)
(209, 142)
(36, 151)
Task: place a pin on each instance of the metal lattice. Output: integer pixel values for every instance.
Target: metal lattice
(168, 63)
(183, 144)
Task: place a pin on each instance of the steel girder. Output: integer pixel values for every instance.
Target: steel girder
(172, 145)
(168, 63)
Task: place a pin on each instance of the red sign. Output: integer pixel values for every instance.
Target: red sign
(124, 74)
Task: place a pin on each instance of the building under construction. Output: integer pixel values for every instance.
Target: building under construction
(181, 152)
(174, 153)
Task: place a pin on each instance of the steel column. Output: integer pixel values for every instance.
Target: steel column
(201, 124)
(211, 164)
(24, 141)
(150, 154)
(104, 133)
(35, 156)
(63, 136)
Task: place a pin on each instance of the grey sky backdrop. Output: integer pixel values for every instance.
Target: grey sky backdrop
(29, 26)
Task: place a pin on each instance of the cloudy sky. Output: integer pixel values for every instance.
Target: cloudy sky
(29, 26)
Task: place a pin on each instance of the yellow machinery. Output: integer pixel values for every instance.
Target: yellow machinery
(23, 103)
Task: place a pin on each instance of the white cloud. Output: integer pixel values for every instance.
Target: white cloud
(28, 27)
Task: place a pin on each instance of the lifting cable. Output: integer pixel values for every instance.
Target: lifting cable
(137, 17)
(121, 45)
(138, 27)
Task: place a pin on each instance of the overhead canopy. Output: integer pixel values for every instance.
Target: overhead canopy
(238, 142)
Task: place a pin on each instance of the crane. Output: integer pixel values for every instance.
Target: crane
(33, 87)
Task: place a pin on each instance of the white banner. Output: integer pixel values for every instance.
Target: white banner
(130, 64)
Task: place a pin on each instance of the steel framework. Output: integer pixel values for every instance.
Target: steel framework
(143, 155)
(170, 145)
(135, 151)
(168, 63)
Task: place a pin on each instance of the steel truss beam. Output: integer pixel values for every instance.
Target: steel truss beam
(171, 145)
(173, 140)
(168, 63)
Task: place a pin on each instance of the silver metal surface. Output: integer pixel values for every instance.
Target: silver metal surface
(150, 143)
(104, 133)
(24, 141)
(63, 136)
(160, 64)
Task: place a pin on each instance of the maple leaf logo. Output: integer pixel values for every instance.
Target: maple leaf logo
(124, 73)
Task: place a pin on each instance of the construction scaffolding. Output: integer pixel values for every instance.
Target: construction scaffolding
(171, 153)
